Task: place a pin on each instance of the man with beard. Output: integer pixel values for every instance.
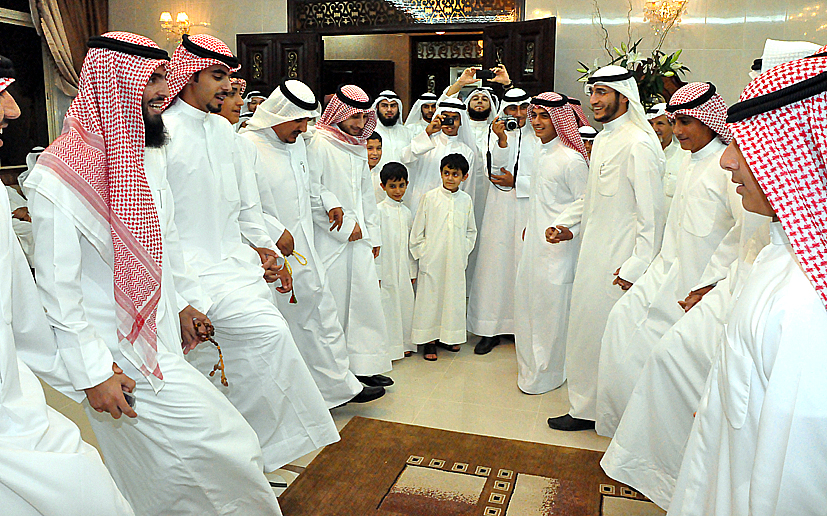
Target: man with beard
(621, 220)
(491, 296)
(348, 238)
(482, 104)
(395, 136)
(675, 155)
(216, 202)
(287, 195)
(107, 252)
(421, 114)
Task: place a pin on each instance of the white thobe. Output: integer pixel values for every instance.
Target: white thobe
(701, 224)
(176, 457)
(757, 444)
(675, 162)
(396, 267)
(621, 218)
(647, 448)
(442, 237)
(22, 229)
(423, 157)
(216, 199)
(340, 173)
(542, 289)
(482, 134)
(44, 464)
(491, 296)
(394, 139)
(284, 186)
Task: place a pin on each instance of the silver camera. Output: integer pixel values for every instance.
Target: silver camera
(510, 122)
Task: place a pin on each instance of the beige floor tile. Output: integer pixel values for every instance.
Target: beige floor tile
(586, 439)
(483, 382)
(416, 377)
(390, 407)
(477, 419)
(55, 399)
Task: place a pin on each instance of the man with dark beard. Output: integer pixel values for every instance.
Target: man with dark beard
(108, 268)
(395, 136)
(421, 114)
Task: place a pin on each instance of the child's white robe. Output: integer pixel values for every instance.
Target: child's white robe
(396, 267)
(442, 237)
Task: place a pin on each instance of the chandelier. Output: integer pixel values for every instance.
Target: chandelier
(663, 14)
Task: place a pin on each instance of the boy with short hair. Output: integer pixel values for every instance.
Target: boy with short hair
(374, 146)
(395, 265)
(442, 237)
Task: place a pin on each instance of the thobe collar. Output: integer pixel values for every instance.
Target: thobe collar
(777, 234)
(274, 139)
(390, 202)
(189, 111)
(673, 148)
(552, 144)
(710, 148)
(449, 193)
(617, 122)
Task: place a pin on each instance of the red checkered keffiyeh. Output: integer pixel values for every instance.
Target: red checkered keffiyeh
(339, 110)
(579, 114)
(780, 124)
(699, 100)
(185, 64)
(5, 82)
(241, 82)
(562, 116)
(99, 156)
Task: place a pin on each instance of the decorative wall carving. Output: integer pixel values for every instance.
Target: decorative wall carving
(309, 15)
(292, 65)
(529, 58)
(258, 65)
(449, 49)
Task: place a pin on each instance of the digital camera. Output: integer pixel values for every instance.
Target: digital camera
(449, 120)
(510, 122)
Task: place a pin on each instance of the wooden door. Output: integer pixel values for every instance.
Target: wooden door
(527, 51)
(272, 57)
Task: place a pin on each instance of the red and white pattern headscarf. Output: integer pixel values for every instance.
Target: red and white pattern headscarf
(6, 74)
(562, 116)
(242, 84)
(5, 82)
(100, 157)
(196, 53)
(780, 124)
(348, 101)
(579, 114)
(700, 100)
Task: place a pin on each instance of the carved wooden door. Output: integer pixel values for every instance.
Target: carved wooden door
(527, 51)
(272, 57)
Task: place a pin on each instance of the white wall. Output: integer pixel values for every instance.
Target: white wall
(720, 38)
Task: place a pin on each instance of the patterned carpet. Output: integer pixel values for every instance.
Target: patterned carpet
(383, 468)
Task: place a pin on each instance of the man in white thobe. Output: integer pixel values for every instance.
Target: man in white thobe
(183, 449)
(700, 226)
(395, 136)
(542, 288)
(339, 172)
(513, 159)
(421, 113)
(621, 219)
(756, 444)
(482, 104)
(215, 203)
(44, 463)
(675, 155)
(287, 199)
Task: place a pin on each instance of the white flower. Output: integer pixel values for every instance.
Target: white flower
(633, 58)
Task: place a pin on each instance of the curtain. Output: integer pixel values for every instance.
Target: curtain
(65, 26)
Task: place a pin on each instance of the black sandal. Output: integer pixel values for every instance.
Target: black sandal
(453, 348)
(429, 349)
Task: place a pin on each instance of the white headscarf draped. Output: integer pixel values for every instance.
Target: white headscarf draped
(465, 134)
(622, 81)
(280, 108)
(656, 111)
(513, 97)
(390, 96)
(779, 52)
(488, 92)
(415, 115)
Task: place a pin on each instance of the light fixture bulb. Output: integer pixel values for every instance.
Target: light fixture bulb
(166, 17)
(182, 18)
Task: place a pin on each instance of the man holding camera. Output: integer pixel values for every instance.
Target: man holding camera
(512, 148)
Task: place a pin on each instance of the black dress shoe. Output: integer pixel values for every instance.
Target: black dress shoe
(570, 424)
(486, 344)
(376, 380)
(368, 394)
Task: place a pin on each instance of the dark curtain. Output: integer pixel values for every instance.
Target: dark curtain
(83, 19)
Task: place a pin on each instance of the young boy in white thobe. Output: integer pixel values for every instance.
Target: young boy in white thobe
(395, 265)
(374, 146)
(442, 237)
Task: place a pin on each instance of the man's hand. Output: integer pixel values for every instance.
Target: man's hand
(501, 75)
(434, 126)
(190, 319)
(505, 179)
(269, 262)
(108, 396)
(375, 252)
(467, 77)
(558, 234)
(336, 216)
(356, 235)
(285, 243)
(286, 279)
(498, 128)
(21, 213)
(694, 297)
(620, 282)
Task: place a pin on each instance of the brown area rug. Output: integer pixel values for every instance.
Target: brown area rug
(383, 468)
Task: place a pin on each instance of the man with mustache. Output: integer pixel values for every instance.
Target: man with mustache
(395, 136)
(216, 202)
(421, 113)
